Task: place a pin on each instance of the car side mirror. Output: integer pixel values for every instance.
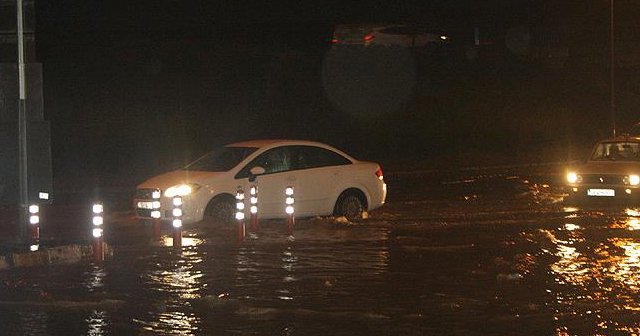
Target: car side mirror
(255, 172)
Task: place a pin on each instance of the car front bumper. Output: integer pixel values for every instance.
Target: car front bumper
(144, 208)
(604, 192)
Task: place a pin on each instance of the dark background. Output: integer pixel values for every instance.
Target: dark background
(135, 88)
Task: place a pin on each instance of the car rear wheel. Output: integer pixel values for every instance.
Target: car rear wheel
(351, 205)
(220, 210)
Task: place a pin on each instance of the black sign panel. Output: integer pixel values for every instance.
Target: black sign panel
(39, 169)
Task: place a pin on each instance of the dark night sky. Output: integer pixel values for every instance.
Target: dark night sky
(115, 71)
(62, 19)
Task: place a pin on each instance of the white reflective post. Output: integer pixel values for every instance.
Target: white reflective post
(155, 212)
(177, 221)
(240, 214)
(289, 208)
(34, 223)
(253, 201)
(97, 219)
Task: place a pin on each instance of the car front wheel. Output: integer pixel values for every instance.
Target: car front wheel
(221, 210)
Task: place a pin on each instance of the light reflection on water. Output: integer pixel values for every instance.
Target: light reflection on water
(186, 241)
(176, 284)
(571, 267)
(97, 320)
(289, 261)
(632, 212)
(596, 274)
(34, 323)
(624, 269)
(97, 323)
(95, 278)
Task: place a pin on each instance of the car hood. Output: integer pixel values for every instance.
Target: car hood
(610, 167)
(176, 177)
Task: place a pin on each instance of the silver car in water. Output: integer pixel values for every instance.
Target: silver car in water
(612, 172)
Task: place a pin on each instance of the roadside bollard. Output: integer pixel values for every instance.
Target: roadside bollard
(253, 201)
(240, 214)
(155, 213)
(289, 209)
(98, 241)
(34, 223)
(177, 221)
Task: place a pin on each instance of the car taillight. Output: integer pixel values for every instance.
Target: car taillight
(368, 38)
(379, 174)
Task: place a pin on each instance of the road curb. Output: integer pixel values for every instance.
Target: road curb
(66, 254)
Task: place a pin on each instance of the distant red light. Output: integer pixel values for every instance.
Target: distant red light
(368, 38)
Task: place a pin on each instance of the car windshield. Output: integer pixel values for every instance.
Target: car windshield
(221, 160)
(617, 151)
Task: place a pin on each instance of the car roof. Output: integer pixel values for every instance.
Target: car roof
(265, 143)
(276, 142)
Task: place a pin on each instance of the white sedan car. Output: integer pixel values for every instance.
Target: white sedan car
(325, 180)
(611, 173)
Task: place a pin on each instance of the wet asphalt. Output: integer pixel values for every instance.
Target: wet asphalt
(473, 252)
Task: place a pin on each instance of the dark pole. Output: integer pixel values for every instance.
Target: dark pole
(22, 128)
(612, 71)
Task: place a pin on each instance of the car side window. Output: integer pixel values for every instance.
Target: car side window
(275, 160)
(306, 157)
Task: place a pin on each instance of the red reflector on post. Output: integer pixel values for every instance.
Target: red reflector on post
(379, 173)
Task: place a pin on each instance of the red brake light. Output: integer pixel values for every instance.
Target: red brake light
(368, 37)
(379, 173)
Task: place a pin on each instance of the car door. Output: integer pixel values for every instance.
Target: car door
(315, 173)
(270, 185)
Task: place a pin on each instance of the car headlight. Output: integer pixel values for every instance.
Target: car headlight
(572, 177)
(181, 190)
(633, 180)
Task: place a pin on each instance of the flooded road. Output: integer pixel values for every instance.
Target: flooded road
(477, 252)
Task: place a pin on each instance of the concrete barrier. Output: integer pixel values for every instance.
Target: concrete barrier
(66, 254)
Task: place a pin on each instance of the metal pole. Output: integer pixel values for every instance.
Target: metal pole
(22, 128)
(612, 71)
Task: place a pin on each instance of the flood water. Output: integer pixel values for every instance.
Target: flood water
(476, 252)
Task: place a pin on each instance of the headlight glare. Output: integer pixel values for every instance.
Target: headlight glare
(572, 177)
(634, 180)
(181, 190)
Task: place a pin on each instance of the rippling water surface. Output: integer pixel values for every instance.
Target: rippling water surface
(476, 253)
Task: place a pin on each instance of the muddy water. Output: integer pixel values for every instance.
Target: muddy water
(471, 253)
